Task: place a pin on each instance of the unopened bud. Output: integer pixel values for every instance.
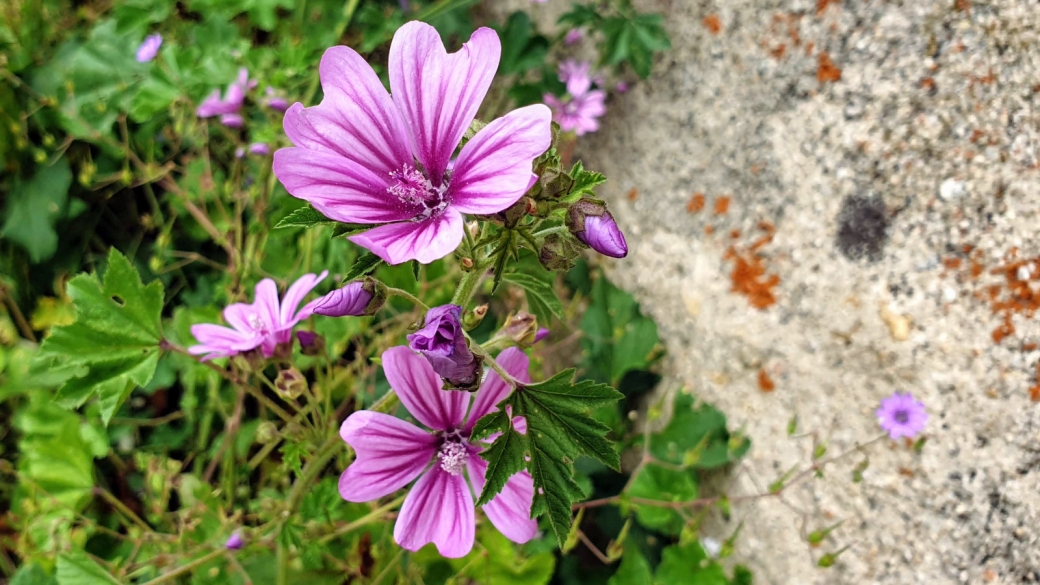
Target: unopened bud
(39, 155)
(474, 229)
(472, 318)
(311, 343)
(235, 541)
(250, 361)
(594, 226)
(558, 252)
(521, 328)
(266, 432)
(467, 264)
(361, 297)
(291, 383)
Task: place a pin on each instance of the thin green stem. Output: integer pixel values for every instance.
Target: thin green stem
(396, 292)
(186, 568)
(115, 503)
(366, 519)
(466, 287)
(553, 230)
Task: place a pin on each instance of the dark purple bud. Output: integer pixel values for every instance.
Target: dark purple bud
(594, 226)
(311, 343)
(542, 334)
(361, 297)
(234, 542)
(442, 342)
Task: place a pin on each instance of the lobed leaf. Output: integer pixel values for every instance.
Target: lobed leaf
(541, 297)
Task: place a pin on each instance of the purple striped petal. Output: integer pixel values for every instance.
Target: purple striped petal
(419, 389)
(438, 93)
(339, 189)
(216, 341)
(389, 454)
(494, 390)
(424, 241)
(439, 509)
(510, 510)
(494, 168)
(289, 316)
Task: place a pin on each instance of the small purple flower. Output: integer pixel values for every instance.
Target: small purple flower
(902, 416)
(240, 152)
(232, 101)
(361, 297)
(390, 453)
(577, 75)
(149, 48)
(621, 87)
(232, 120)
(442, 342)
(235, 541)
(573, 36)
(578, 114)
(541, 334)
(259, 148)
(266, 323)
(595, 227)
(275, 101)
(365, 156)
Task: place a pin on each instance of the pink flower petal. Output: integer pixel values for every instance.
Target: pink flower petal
(494, 390)
(389, 453)
(494, 168)
(266, 303)
(424, 241)
(291, 301)
(510, 510)
(336, 187)
(419, 389)
(438, 94)
(356, 119)
(216, 341)
(439, 509)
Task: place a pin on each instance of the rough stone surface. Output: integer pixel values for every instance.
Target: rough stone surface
(894, 147)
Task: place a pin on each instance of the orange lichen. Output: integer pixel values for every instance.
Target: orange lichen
(734, 234)
(709, 229)
(928, 83)
(721, 205)
(778, 51)
(821, 5)
(765, 383)
(696, 203)
(749, 275)
(826, 71)
(633, 194)
(712, 23)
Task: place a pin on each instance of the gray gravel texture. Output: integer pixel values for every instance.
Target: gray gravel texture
(896, 191)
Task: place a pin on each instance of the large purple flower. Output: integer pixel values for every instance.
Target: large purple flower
(391, 453)
(266, 323)
(364, 157)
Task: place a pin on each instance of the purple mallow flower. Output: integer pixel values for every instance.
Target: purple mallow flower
(266, 323)
(149, 48)
(621, 87)
(228, 106)
(578, 114)
(594, 226)
(902, 416)
(573, 36)
(275, 101)
(235, 542)
(390, 453)
(577, 75)
(259, 148)
(362, 156)
(361, 297)
(443, 343)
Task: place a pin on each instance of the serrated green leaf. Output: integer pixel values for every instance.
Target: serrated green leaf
(505, 458)
(559, 429)
(634, 40)
(541, 297)
(522, 48)
(365, 264)
(34, 206)
(585, 182)
(76, 568)
(617, 338)
(306, 217)
(113, 346)
(686, 564)
(32, 574)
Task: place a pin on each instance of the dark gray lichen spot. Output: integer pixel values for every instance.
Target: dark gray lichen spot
(862, 227)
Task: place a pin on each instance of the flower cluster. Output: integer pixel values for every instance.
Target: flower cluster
(580, 109)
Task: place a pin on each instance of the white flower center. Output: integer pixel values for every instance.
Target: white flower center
(413, 188)
(453, 457)
(257, 324)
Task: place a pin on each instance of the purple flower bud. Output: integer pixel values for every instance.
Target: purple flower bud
(594, 226)
(259, 148)
(621, 87)
(275, 101)
(240, 152)
(361, 297)
(306, 338)
(232, 120)
(311, 343)
(573, 36)
(442, 342)
(542, 334)
(234, 542)
(149, 48)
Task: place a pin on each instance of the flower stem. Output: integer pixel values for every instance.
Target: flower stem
(466, 287)
(396, 292)
(366, 519)
(186, 568)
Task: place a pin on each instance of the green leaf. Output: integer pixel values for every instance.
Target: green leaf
(695, 437)
(365, 264)
(559, 429)
(541, 297)
(686, 564)
(32, 574)
(113, 346)
(34, 206)
(522, 48)
(585, 182)
(634, 40)
(665, 485)
(76, 568)
(505, 458)
(306, 217)
(499, 562)
(634, 569)
(154, 96)
(617, 338)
